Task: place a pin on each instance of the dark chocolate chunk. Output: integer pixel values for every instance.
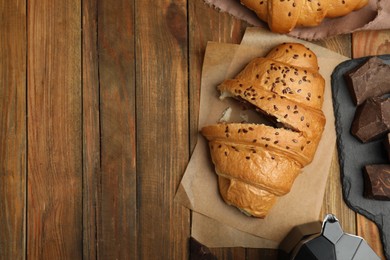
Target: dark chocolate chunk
(372, 119)
(377, 181)
(369, 80)
(199, 251)
(387, 145)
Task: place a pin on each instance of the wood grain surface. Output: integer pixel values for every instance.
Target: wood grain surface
(99, 106)
(117, 228)
(217, 27)
(12, 129)
(162, 127)
(54, 165)
(90, 130)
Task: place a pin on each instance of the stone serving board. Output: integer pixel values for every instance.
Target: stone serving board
(353, 155)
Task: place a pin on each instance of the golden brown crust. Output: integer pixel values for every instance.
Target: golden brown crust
(257, 163)
(293, 145)
(250, 200)
(340, 8)
(283, 15)
(294, 54)
(241, 161)
(289, 70)
(312, 14)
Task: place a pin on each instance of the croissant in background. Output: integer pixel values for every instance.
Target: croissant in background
(284, 15)
(257, 163)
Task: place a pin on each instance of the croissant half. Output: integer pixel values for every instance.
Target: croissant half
(283, 15)
(257, 163)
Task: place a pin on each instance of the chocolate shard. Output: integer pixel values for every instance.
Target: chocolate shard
(387, 145)
(372, 119)
(199, 251)
(377, 181)
(369, 80)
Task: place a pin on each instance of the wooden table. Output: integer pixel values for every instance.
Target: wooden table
(99, 104)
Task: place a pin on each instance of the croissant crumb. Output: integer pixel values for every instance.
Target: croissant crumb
(283, 16)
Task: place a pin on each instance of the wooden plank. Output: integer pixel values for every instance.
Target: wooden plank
(369, 231)
(12, 129)
(333, 199)
(370, 43)
(162, 127)
(269, 254)
(206, 24)
(340, 44)
(54, 130)
(117, 226)
(91, 130)
(236, 253)
(365, 44)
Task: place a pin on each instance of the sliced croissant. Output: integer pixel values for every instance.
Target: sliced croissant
(257, 163)
(284, 15)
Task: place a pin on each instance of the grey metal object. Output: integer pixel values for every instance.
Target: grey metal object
(333, 244)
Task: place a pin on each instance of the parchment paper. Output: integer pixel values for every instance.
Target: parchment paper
(198, 189)
(374, 16)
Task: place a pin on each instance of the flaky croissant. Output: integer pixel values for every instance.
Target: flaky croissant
(257, 163)
(284, 15)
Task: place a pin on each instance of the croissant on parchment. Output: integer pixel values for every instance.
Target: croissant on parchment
(284, 15)
(257, 163)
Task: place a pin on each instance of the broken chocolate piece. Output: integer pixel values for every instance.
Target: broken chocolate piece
(377, 181)
(199, 251)
(387, 145)
(372, 119)
(369, 80)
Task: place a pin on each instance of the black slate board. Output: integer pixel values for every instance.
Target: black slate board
(353, 155)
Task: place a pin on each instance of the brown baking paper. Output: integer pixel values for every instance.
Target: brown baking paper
(198, 189)
(374, 16)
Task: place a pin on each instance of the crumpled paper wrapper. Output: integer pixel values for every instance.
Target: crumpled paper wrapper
(374, 16)
(216, 224)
